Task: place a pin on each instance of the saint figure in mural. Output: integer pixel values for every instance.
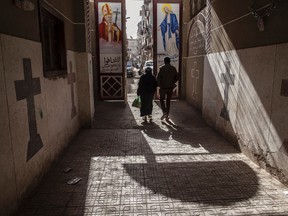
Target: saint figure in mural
(108, 30)
(170, 31)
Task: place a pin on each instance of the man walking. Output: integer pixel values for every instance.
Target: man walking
(166, 78)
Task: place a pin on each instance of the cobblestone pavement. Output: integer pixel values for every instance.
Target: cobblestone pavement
(129, 167)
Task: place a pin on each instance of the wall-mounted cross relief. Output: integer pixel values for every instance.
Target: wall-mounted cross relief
(27, 89)
(228, 79)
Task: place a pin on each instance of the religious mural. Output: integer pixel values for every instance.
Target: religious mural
(110, 37)
(168, 33)
(168, 30)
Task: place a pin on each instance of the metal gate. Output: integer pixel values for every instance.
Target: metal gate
(110, 47)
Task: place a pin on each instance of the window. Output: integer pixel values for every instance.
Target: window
(53, 44)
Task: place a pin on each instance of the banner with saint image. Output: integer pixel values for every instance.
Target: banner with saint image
(168, 34)
(110, 37)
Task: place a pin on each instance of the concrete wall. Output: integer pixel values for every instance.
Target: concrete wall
(17, 22)
(194, 62)
(38, 120)
(85, 91)
(245, 84)
(8, 197)
(53, 113)
(257, 110)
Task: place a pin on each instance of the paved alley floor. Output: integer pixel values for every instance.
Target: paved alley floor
(129, 167)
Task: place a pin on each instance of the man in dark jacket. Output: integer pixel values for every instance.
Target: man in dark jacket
(166, 78)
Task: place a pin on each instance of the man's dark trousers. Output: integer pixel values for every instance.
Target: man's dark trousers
(168, 94)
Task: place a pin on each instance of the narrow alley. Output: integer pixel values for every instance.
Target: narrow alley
(128, 167)
(71, 144)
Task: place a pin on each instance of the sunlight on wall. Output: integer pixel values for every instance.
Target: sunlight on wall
(249, 117)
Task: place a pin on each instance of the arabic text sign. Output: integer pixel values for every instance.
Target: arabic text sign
(111, 63)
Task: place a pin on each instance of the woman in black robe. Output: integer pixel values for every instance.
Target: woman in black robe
(146, 89)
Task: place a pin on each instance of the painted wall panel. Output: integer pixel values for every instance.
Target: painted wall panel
(168, 36)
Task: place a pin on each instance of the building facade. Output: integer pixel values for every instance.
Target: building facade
(145, 32)
(132, 51)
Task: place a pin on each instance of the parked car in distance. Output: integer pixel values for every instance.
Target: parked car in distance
(147, 64)
(129, 69)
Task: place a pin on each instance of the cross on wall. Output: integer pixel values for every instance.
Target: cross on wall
(27, 89)
(228, 79)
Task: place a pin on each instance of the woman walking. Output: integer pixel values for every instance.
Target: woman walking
(146, 89)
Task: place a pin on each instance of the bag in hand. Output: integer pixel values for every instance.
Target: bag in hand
(137, 102)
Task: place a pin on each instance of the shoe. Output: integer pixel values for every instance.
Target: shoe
(163, 116)
(150, 118)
